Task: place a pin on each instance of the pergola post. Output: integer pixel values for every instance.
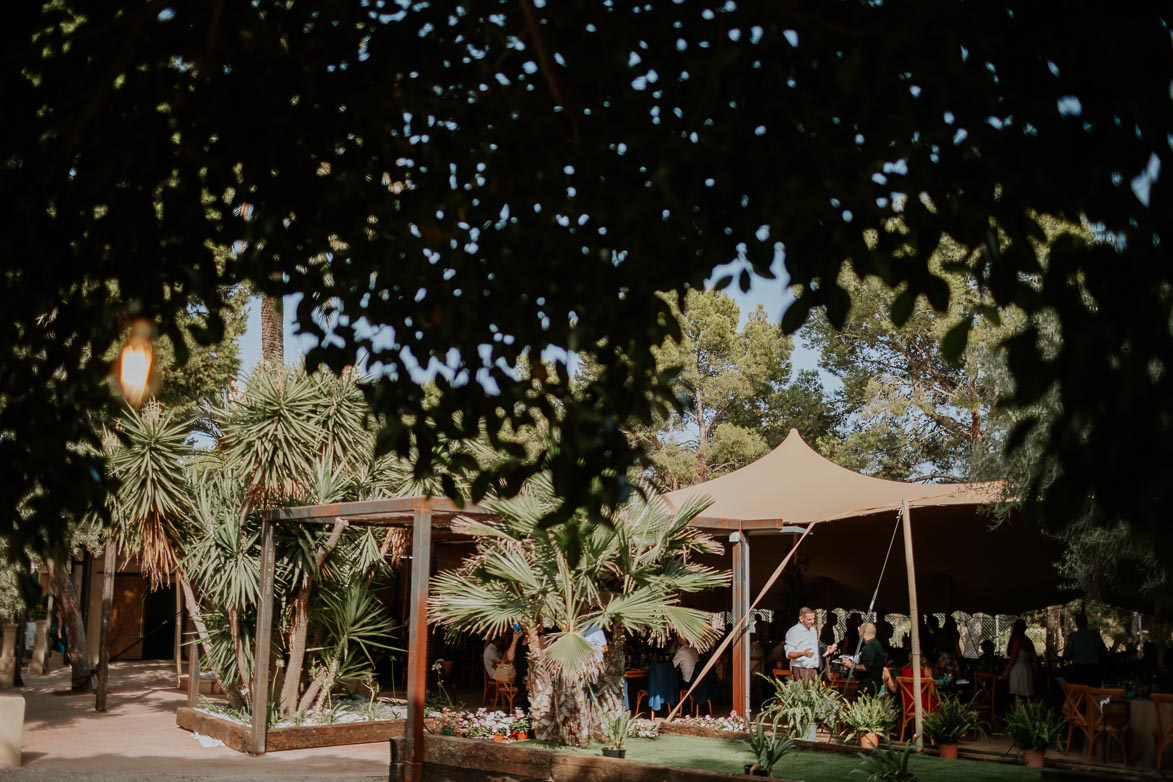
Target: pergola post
(741, 647)
(260, 685)
(110, 565)
(417, 649)
(914, 631)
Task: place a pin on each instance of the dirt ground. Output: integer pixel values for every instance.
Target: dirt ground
(137, 738)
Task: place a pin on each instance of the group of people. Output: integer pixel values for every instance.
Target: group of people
(876, 666)
(807, 655)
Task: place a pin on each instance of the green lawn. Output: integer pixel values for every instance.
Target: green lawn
(731, 755)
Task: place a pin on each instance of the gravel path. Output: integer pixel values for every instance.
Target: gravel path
(137, 738)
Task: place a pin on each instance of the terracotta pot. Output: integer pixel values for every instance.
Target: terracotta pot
(869, 740)
(754, 770)
(948, 751)
(498, 737)
(1034, 758)
(520, 735)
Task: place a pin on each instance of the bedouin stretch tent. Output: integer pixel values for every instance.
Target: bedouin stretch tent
(961, 560)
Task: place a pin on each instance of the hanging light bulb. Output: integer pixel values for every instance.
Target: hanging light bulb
(135, 361)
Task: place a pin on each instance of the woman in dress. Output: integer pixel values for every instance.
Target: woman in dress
(1020, 662)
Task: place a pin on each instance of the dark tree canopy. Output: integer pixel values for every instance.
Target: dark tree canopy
(482, 181)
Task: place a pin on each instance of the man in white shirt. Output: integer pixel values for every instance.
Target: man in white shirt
(802, 647)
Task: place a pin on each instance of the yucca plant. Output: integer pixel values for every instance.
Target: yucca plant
(766, 746)
(887, 764)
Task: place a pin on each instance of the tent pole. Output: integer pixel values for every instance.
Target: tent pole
(914, 617)
(741, 622)
(721, 647)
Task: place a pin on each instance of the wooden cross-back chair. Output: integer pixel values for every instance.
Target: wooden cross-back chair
(1075, 711)
(1098, 726)
(985, 696)
(928, 694)
(1163, 735)
(496, 692)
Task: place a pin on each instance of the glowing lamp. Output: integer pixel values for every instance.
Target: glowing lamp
(135, 362)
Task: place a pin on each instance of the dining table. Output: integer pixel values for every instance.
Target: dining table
(634, 679)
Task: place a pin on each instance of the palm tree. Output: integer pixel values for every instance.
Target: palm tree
(558, 581)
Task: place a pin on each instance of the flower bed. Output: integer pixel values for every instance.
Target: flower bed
(708, 726)
(480, 724)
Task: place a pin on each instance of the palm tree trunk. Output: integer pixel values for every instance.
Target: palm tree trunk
(299, 626)
(79, 659)
(272, 330)
(243, 674)
(574, 711)
(540, 690)
(610, 687)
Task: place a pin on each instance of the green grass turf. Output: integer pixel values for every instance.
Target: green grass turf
(731, 755)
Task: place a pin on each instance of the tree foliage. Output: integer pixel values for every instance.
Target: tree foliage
(733, 382)
(913, 411)
(472, 183)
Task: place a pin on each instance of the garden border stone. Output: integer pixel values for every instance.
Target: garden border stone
(238, 736)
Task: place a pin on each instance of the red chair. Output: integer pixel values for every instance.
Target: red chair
(928, 698)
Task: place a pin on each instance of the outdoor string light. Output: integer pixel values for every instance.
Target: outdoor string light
(135, 361)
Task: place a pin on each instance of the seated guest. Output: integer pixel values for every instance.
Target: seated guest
(987, 661)
(947, 667)
(926, 673)
(685, 659)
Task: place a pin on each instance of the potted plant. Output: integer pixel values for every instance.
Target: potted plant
(519, 726)
(887, 765)
(616, 727)
(1032, 727)
(867, 718)
(767, 748)
(802, 706)
(949, 722)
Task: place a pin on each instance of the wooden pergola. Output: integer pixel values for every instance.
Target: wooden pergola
(421, 514)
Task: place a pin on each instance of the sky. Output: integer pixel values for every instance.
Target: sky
(771, 294)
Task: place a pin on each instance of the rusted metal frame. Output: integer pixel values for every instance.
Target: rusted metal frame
(741, 622)
(737, 525)
(417, 655)
(110, 565)
(260, 685)
(401, 507)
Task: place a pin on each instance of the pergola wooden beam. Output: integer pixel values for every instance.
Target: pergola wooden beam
(420, 513)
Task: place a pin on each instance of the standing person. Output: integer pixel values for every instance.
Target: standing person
(872, 658)
(1086, 652)
(849, 643)
(803, 649)
(1020, 662)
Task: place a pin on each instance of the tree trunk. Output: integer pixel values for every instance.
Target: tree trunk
(299, 625)
(573, 709)
(610, 688)
(235, 699)
(79, 659)
(272, 330)
(540, 691)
